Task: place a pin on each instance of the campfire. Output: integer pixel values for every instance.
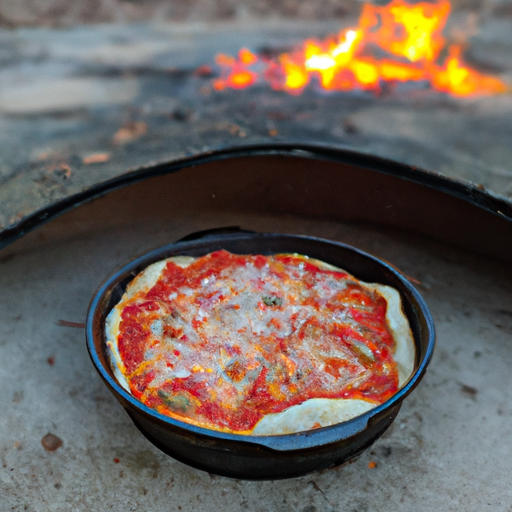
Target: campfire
(391, 44)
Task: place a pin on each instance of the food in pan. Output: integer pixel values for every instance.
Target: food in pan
(259, 345)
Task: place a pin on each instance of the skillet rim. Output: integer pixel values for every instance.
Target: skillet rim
(305, 440)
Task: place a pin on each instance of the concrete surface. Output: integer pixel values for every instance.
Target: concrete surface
(449, 448)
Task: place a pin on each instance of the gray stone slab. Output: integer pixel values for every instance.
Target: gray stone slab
(448, 449)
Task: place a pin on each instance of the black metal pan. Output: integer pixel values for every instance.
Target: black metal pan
(263, 457)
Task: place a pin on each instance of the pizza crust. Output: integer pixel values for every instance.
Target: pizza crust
(313, 413)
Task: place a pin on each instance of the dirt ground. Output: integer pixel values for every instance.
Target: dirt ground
(62, 13)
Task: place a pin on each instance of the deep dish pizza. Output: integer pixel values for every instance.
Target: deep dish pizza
(258, 344)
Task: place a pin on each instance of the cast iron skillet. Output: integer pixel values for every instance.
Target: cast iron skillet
(262, 457)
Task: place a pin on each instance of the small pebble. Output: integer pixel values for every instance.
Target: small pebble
(51, 442)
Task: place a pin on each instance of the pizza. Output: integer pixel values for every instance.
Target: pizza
(259, 345)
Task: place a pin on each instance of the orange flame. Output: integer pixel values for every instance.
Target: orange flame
(391, 44)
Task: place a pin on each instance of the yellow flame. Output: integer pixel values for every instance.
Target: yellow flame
(397, 42)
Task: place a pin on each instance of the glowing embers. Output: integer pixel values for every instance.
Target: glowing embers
(395, 43)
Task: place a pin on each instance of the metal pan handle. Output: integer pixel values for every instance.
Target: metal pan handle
(214, 232)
